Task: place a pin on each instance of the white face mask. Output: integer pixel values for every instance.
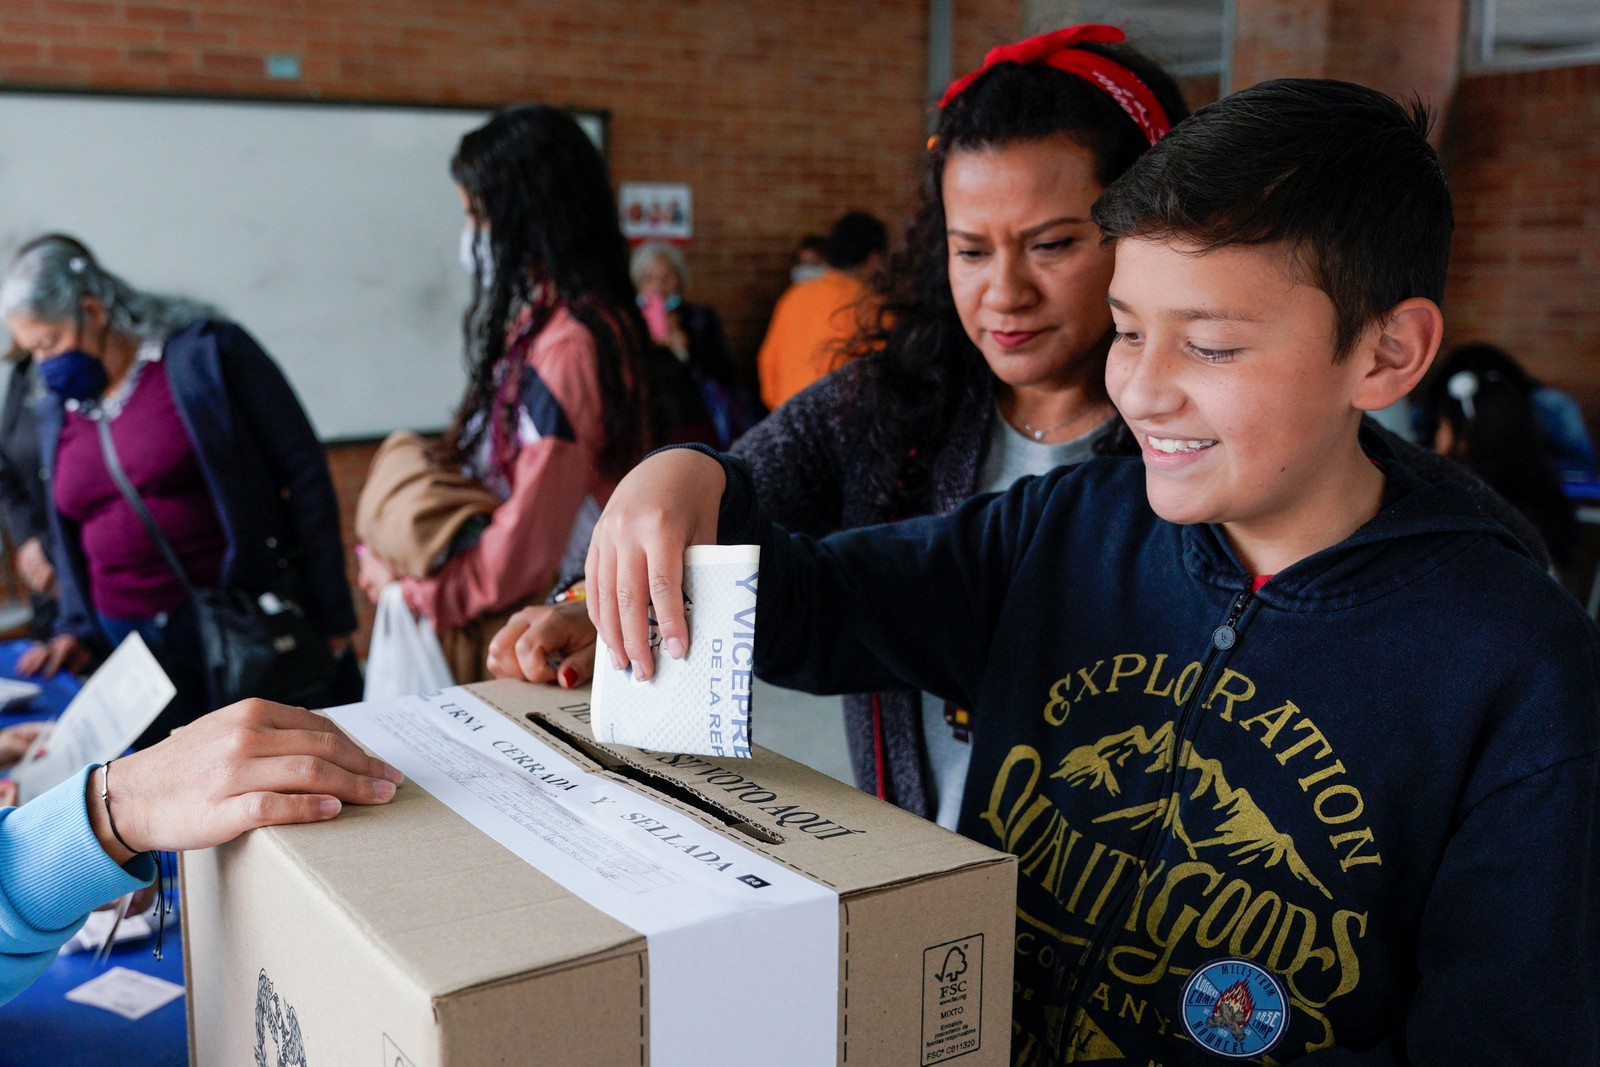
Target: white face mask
(474, 249)
(806, 271)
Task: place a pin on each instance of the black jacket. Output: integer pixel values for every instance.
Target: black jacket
(1373, 783)
(24, 501)
(24, 504)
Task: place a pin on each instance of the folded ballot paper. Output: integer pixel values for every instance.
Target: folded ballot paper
(701, 703)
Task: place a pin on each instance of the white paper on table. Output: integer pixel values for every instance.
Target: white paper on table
(109, 713)
(13, 691)
(700, 703)
(131, 994)
(91, 936)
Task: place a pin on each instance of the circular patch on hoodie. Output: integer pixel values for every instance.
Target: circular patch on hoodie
(1234, 1008)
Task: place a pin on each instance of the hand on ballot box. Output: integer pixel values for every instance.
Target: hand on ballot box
(635, 561)
(254, 763)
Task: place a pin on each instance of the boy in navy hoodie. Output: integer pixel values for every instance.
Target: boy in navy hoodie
(1298, 753)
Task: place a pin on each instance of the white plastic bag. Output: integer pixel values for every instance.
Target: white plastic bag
(404, 656)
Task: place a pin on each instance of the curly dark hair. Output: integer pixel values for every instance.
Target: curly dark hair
(540, 186)
(920, 366)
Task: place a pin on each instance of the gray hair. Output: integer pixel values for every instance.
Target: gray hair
(51, 275)
(649, 252)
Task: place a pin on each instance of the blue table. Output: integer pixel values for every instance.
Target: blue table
(41, 1028)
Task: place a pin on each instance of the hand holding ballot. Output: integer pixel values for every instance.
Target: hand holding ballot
(635, 562)
(254, 763)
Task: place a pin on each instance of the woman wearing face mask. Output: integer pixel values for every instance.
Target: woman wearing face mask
(554, 412)
(706, 387)
(212, 438)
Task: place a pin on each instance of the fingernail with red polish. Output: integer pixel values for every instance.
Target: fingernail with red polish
(568, 677)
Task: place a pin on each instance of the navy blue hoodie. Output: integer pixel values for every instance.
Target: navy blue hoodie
(1378, 843)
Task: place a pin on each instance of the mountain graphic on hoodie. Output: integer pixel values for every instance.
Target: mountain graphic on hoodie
(1230, 818)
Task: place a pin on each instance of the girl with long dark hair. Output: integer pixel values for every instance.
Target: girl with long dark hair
(554, 411)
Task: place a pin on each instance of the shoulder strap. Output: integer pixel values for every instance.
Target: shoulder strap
(131, 495)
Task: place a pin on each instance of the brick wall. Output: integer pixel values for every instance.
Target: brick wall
(1200, 90)
(780, 115)
(1280, 39)
(1523, 154)
(1403, 47)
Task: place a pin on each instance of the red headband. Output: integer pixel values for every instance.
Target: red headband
(1107, 75)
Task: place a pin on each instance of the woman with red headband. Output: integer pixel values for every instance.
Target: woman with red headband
(988, 363)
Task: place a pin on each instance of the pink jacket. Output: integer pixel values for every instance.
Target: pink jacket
(560, 434)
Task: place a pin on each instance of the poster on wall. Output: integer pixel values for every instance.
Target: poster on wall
(656, 211)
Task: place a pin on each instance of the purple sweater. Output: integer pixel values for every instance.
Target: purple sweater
(128, 576)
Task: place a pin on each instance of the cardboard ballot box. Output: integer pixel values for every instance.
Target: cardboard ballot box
(683, 910)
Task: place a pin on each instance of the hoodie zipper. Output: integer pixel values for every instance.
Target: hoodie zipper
(1093, 959)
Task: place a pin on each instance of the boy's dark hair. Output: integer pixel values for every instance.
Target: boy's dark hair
(1341, 175)
(854, 238)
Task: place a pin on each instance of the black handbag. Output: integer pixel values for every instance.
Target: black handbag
(254, 646)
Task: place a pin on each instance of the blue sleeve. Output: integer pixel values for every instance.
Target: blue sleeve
(913, 604)
(53, 872)
(267, 405)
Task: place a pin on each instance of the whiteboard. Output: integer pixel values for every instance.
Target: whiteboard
(329, 231)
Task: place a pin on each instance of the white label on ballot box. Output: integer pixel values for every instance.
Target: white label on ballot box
(712, 911)
(109, 713)
(700, 703)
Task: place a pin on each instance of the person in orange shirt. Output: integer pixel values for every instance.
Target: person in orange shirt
(815, 318)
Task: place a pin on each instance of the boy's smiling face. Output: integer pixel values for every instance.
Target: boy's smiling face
(1223, 367)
